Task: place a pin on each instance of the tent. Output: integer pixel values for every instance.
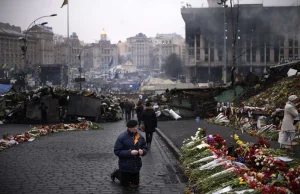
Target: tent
(4, 88)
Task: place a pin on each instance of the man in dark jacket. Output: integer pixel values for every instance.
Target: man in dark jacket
(139, 111)
(128, 109)
(129, 146)
(122, 107)
(43, 109)
(150, 122)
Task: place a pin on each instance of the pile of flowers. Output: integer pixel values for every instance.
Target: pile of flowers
(277, 94)
(211, 166)
(269, 102)
(36, 132)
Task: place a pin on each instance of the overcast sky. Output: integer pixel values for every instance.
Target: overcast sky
(119, 18)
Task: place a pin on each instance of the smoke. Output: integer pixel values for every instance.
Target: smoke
(262, 23)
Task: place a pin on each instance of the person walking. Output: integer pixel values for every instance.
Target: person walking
(43, 109)
(122, 107)
(128, 109)
(288, 129)
(139, 111)
(150, 122)
(129, 146)
(133, 108)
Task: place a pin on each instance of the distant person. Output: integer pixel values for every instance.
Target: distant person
(122, 107)
(127, 109)
(133, 108)
(288, 129)
(150, 122)
(43, 109)
(129, 146)
(139, 112)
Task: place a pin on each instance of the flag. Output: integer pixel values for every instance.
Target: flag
(12, 69)
(111, 62)
(3, 66)
(64, 3)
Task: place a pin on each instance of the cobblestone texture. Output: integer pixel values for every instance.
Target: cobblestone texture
(81, 162)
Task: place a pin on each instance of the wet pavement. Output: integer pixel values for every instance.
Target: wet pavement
(81, 162)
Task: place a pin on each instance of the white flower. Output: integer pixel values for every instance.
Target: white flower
(257, 163)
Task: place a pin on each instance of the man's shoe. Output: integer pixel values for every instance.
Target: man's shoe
(134, 186)
(113, 175)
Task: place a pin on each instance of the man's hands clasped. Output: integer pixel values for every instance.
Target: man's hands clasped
(136, 152)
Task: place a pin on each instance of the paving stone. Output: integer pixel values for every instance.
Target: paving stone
(81, 162)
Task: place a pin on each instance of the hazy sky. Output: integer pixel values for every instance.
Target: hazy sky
(119, 18)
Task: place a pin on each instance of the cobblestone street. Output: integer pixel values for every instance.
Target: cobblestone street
(81, 162)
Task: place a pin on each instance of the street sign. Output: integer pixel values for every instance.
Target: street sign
(79, 79)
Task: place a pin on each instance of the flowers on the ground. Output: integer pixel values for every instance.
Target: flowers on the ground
(32, 134)
(254, 167)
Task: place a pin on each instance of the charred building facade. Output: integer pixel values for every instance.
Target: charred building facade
(265, 36)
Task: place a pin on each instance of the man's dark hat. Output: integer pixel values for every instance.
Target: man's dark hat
(132, 123)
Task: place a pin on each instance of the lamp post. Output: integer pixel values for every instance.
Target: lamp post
(80, 68)
(24, 48)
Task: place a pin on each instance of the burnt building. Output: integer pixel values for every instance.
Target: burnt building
(265, 36)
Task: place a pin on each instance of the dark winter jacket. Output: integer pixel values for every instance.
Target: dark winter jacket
(149, 119)
(128, 106)
(139, 111)
(122, 149)
(122, 105)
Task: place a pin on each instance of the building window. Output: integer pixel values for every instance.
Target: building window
(296, 51)
(268, 55)
(262, 54)
(191, 51)
(220, 52)
(291, 52)
(253, 55)
(212, 54)
(205, 43)
(248, 55)
(281, 52)
(290, 42)
(206, 54)
(276, 54)
(281, 42)
(296, 43)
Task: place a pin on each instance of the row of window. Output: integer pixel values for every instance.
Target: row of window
(278, 53)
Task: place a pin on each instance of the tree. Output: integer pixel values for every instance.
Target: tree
(173, 65)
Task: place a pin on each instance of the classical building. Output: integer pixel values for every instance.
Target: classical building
(10, 47)
(44, 47)
(39, 43)
(167, 44)
(57, 39)
(123, 48)
(67, 53)
(265, 35)
(105, 54)
(139, 48)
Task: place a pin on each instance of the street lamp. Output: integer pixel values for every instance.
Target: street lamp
(80, 69)
(24, 48)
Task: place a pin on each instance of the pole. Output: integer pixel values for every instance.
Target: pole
(224, 52)
(69, 46)
(251, 53)
(80, 71)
